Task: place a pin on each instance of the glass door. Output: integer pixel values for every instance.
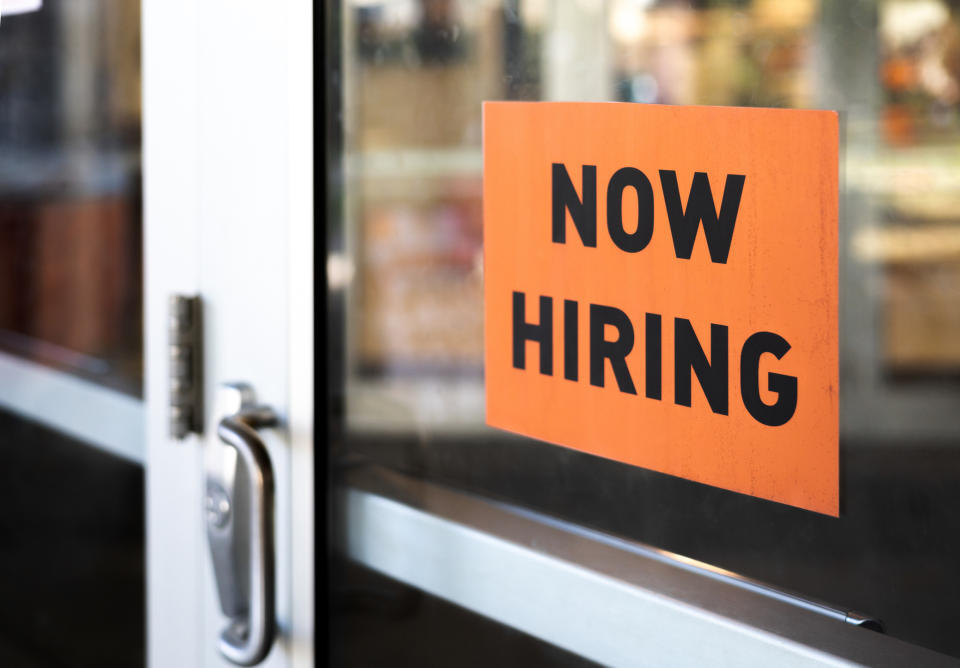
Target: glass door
(405, 285)
(71, 342)
(126, 181)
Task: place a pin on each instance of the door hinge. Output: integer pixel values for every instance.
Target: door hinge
(186, 366)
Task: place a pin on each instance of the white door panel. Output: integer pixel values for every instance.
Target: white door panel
(228, 208)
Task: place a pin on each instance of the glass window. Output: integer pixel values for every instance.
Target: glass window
(408, 258)
(70, 219)
(71, 352)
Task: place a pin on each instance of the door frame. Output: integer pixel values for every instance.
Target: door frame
(175, 36)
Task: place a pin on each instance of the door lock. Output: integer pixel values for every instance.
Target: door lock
(238, 507)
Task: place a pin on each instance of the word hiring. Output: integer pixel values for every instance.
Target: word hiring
(689, 357)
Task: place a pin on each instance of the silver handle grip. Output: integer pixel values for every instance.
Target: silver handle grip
(240, 529)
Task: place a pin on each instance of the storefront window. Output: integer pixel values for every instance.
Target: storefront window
(415, 74)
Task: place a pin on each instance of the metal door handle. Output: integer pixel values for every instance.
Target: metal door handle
(240, 526)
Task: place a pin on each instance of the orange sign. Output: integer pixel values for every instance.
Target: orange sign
(661, 289)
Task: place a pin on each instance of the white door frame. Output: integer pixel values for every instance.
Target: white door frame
(197, 61)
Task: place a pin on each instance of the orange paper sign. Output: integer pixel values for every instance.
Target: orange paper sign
(661, 289)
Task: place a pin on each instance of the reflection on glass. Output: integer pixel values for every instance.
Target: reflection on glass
(70, 222)
(71, 510)
(416, 72)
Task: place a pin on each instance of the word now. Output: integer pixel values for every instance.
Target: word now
(689, 357)
(684, 223)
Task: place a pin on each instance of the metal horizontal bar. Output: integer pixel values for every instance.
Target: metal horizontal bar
(101, 417)
(705, 570)
(610, 601)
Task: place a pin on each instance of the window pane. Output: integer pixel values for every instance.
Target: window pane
(70, 219)
(415, 74)
(71, 416)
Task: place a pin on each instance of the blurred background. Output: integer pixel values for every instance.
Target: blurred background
(71, 341)
(416, 73)
(70, 250)
(407, 264)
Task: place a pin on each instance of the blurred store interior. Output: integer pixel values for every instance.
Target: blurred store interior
(408, 260)
(71, 513)
(416, 73)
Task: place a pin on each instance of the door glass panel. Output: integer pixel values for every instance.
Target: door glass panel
(407, 259)
(70, 270)
(71, 427)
